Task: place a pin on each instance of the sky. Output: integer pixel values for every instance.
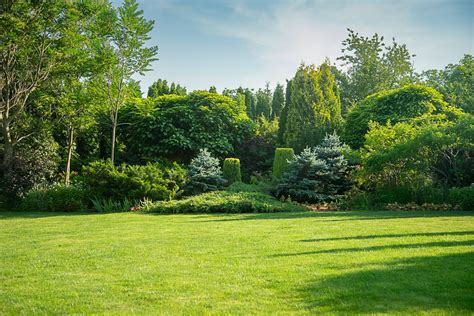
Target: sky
(247, 43)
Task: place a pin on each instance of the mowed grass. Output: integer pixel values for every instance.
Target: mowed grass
(298, 263)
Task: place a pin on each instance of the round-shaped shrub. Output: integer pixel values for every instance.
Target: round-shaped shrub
(281, 162)
(231, 170)
(396, 105)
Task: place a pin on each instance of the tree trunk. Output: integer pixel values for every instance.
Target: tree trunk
(70, 147)
(8, 147)
(114, 128)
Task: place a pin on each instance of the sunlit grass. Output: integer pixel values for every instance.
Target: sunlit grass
(366, 262)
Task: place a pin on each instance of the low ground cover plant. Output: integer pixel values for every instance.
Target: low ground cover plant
(239, 199)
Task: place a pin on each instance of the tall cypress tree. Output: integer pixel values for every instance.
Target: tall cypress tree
(278, 101)
(284, 113)
(314, 108)
(250, 103)
(264, 102)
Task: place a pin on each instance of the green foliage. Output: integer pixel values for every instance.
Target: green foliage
(35, 163)
(464, 197)
(177, 127)
(455, 82)
(204, 174)
(231, 170)
(395, 105)
(256, 152)
(426, 151)
(160, 87)
(372, 66)
(314, 108)
(153, 181)
(55, 198)
(264, 103)
(281, 162)
(316, 175)
(278, 101)
(248, 201)
(112, 206)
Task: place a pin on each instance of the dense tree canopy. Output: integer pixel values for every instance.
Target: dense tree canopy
(394, 105)
(177, 127)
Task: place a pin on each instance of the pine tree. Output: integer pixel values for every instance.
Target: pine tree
(316, 175)
(250, 103)
(278, 101)
(205, 174)
(284, 113)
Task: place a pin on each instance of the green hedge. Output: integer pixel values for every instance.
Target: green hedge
(231, 170)
(281, 161)
(464, 197)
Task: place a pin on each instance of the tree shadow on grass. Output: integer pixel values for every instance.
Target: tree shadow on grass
(459, 233)
(382, 247)
(40, 214)
(333, 216)
(423, 284)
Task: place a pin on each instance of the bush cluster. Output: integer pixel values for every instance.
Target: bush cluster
(225, 202)
(55, 198)
(155, 181)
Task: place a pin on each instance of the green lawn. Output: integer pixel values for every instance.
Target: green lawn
(301, 263)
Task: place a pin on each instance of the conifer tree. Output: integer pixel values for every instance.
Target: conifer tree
(278, 101)
(317, 174)
(205, 174)
(314, 108)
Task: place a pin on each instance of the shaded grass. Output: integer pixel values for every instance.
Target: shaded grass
(301, 262)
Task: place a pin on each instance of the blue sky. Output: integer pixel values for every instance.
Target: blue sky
(247, 43)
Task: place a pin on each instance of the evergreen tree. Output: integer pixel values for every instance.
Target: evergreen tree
(278, 101)
(160, 87)
(316, 175)
(213, 89)
(250, 103)
(284, 113)
(204, 174)
(313, 109)
(264, 102)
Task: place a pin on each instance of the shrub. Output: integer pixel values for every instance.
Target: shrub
(464, 197)
(232, 170)
(281, 163)
(34, 164)
(111, 206)
(225, 202)
(204, 174)
(56, 198)
(316, 175)
(154, 181)
(396, 105)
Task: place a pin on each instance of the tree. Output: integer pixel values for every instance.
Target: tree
(204, 173)
(284, 113)
(278, 101)
(213, 89)
(264, 102)
(314, 107)
(33, 44)
(160, 87)
(125, 55)
(455, 82)
(177, 127)
(372, 66)
(394, 105)
(250, 103)
(316, 175)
